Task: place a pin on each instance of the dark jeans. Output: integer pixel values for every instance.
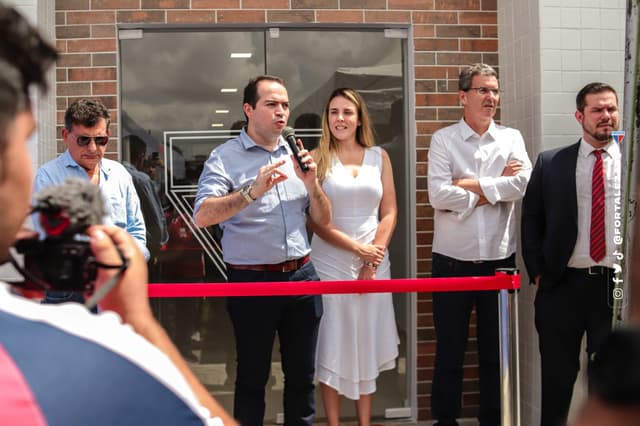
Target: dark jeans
(451, 313)
(578, 303)
(256, 320)
(55, 297)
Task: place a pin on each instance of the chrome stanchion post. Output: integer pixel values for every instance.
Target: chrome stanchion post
(509, 355)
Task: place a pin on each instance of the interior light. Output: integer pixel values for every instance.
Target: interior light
(228, 90)
(217, 125)
(240, 55)
(222, 111)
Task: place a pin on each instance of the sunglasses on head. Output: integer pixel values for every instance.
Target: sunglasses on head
(85, 140)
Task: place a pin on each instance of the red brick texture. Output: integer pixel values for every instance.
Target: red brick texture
(447, 35)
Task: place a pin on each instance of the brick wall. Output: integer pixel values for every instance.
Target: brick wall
(447, 34)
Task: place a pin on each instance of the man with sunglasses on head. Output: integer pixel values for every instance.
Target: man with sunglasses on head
(478, 170)
(86, 135)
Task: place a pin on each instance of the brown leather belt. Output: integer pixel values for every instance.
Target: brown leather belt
(286, 266)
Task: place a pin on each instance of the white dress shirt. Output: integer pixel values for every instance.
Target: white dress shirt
(611, 160)
(462, 229)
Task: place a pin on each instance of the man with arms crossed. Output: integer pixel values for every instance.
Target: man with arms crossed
(477, 172)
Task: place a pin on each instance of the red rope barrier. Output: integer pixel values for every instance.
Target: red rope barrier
(500, 281)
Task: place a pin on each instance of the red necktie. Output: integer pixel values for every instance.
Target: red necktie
(597, 246)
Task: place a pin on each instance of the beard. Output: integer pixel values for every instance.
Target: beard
(602, 135)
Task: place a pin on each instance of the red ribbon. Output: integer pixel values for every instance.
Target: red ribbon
(500, 281)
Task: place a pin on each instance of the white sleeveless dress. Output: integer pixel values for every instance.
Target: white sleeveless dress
(358, 337)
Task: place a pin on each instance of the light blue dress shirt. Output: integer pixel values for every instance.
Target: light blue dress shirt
(121, 200)
(270, 230)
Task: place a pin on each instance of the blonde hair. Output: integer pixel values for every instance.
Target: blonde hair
(327, 146)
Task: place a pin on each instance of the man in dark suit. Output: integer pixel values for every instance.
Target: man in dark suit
(568, 244)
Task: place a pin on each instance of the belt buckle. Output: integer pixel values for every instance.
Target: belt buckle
(288, 266)
(594, 270)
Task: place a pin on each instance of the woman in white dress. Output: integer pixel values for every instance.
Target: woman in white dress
(358, 337)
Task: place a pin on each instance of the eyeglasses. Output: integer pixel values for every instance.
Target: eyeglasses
(85, 140)
(484, 91)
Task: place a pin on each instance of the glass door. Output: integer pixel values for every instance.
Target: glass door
(373, 64)
(191, 103)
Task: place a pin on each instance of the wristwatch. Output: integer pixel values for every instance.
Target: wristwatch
(245, 191)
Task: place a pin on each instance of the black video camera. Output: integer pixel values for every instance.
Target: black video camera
(58, 263)
(63, 260)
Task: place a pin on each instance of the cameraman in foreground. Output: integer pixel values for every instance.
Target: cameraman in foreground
(59, 364)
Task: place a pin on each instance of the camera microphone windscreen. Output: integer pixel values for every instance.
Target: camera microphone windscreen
(69, 208)
(290, 136)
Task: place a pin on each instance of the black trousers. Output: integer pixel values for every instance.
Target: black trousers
(579, 303)
(256, 320)
(451, 313)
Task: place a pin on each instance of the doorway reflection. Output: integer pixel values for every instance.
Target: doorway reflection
(191, 103)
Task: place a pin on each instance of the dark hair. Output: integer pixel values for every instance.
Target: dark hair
(86, 112)
(467, 74)
(13, 97)
(591, 89)
(251, 90)
(238, 125)
(24, 47)
(614, 376)
(25, 58)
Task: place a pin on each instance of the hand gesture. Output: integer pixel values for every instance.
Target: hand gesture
(268, 176)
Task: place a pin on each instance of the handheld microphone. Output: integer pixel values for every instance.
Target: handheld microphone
(290, 136)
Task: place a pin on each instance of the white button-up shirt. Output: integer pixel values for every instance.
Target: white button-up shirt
(611, 159)
(462, 229)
